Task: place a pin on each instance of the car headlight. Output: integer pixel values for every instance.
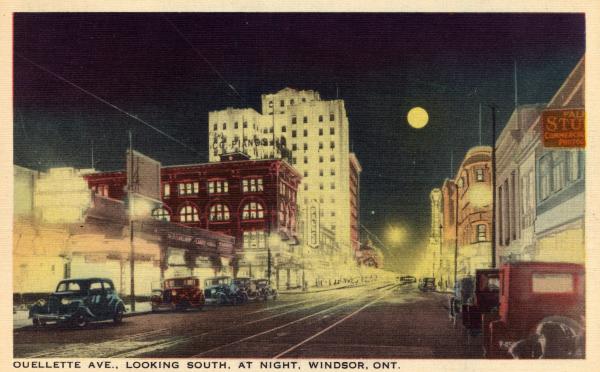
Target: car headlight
(173, 293)
(213, 291)
(65, 301)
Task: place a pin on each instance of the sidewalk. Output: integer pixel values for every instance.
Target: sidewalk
(21, 317)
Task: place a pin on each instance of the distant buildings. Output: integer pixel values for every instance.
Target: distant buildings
(313, 136)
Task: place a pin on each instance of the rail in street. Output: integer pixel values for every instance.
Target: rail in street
(379, 319)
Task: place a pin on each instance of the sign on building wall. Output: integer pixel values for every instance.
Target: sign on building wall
(143, 174)
(313, 225)
(563, 128)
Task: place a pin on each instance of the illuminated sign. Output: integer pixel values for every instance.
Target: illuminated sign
(563, 128)
(313, 225)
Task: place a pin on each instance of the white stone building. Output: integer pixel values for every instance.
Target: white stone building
(311, 133)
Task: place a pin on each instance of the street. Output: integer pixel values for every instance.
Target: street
(380, 320)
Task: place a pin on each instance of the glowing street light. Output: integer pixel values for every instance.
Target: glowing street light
(395, 234)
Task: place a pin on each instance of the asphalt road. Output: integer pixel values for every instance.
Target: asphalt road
(375, 321)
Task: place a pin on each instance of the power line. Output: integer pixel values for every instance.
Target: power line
(61, 78)
(375, 236)
(229, 85)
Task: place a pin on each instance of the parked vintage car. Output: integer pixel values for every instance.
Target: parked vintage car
(78, 302)
(178, 294)
(264, 289)
(427, 284)
(485, 300)
(222, 290)
(541, 312)
(463, 294)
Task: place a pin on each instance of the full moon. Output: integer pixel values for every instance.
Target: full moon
(417, 117)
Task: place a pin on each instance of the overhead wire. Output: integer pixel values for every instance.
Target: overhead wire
(132, 116)
(213, 68)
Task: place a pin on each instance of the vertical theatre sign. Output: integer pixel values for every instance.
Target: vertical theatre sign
(314, 224)
(564, 127)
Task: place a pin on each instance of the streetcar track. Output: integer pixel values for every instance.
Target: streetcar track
(170, 342)
(327, 328)
(277, 328)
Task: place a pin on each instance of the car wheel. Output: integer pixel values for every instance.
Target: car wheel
(36, 322)
(234, 301)
(222, 300)
(80, 321)
(118, 317)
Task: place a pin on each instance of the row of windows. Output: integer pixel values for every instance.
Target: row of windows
(558, 169)
(305, 132)
(305, 119)
(235, 126)
(305, 146)
(282, 102)
(321, 159)
(218, 212)
(321, 187)
(286, 191)
(214, 187)
(321, 173)
(294, 121)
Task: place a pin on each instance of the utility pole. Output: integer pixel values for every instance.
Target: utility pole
(269, 262)
(493, 186)
(456, 236)
(273, 128)
(131, 215)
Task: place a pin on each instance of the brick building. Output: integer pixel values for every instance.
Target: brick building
(467, 218)
(252, 200)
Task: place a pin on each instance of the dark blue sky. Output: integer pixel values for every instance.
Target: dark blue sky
(381, 65)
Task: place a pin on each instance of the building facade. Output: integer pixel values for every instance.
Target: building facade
(540, 191)
(560, 185)
(466, 207)
(313, 135)
(253, 201)
(515, 182)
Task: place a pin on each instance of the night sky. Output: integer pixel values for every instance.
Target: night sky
(380, 64)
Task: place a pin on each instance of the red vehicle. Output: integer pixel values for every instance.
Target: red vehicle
(541, 312)
(178, 294)
(486, 299)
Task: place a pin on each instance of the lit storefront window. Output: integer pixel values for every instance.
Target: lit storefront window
(255, 240)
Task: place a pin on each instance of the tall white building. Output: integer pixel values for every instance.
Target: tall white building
(310, 133)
